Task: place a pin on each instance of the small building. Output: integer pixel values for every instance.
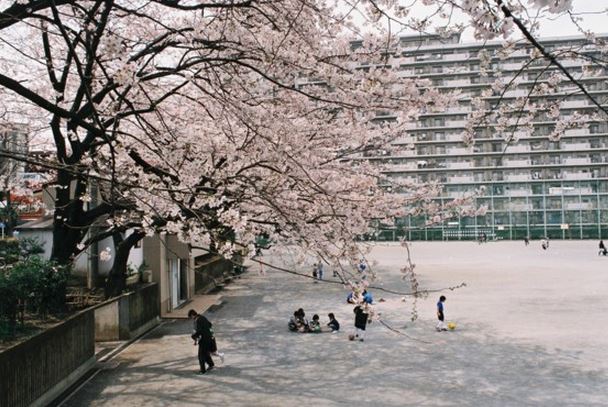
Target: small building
(170, 261)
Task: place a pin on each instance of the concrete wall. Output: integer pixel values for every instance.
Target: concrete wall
(127, 316)
(211, 272)
(107, 321)
(157, 251)
(34, 372)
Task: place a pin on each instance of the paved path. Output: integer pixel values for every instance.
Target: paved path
(266, 365)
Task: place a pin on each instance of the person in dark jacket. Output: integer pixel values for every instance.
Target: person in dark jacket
(333, 323)
(203, 336)
(360, 322)
(603, 248)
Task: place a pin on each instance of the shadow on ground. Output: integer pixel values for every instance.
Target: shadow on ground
(268, 366)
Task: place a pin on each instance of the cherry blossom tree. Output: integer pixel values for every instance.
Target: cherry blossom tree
(222, 120)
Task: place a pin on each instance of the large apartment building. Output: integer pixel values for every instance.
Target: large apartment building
(533, 187)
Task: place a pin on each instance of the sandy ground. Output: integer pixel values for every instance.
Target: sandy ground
(555, 298)
(531, 332)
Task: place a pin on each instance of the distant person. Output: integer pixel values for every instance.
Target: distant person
(360, 322)
(320, 270)
(315, 325)
(350, 298)
(302, 321)
(294, 322)
(367, 297)
(333, 323)
(362, 267)
(441, 315)
(544, 243)
(526, 240)
(203, 336)
(315, 273)
(603, 250)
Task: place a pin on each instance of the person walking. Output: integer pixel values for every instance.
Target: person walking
(603, 248)
(441, 315)
(203, 336)
(526, 240)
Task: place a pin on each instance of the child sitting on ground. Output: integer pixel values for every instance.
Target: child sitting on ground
(315, 325)
(333, 324)
(294, 322)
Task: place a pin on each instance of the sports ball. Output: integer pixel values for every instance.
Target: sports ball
(351, 337)
(451, 326)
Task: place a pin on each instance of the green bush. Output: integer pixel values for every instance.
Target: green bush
(31, 246)
(9, 250)
(8, 306)
(33, 285)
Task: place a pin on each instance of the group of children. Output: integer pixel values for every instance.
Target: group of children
(355, 298)
(299, 323)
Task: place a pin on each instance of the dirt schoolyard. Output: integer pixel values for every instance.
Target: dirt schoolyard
(531, 332)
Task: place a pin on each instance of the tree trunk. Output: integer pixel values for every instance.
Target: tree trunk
(116, 281)
(67, 228)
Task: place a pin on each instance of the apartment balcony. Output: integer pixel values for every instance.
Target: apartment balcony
(517, 192)
(517, 163)
(575, 146)
(520, 207)
(460, 165)
(402, 167)
(404, 140)
(572, 104)
(455, 123)
(518, 148)
(460, 179)
(454, 83)
(458, 151)
(577, 175)
(581, 206)
(517, 177)
(576, 161)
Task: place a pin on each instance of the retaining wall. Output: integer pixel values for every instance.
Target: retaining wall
(36, 371)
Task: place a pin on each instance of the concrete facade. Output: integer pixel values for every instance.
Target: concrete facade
(172, 266)
(534, 186)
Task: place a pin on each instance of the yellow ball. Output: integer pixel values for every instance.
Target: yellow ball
(451, 325)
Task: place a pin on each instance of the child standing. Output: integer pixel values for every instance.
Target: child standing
(360, 322)
(440, 315)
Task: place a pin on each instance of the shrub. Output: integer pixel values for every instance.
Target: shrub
(9, 250)
(31, 246)
(33, 285)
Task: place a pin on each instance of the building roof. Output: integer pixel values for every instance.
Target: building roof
(45, 223)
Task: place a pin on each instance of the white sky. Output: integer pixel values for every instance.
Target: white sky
(593, 12)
